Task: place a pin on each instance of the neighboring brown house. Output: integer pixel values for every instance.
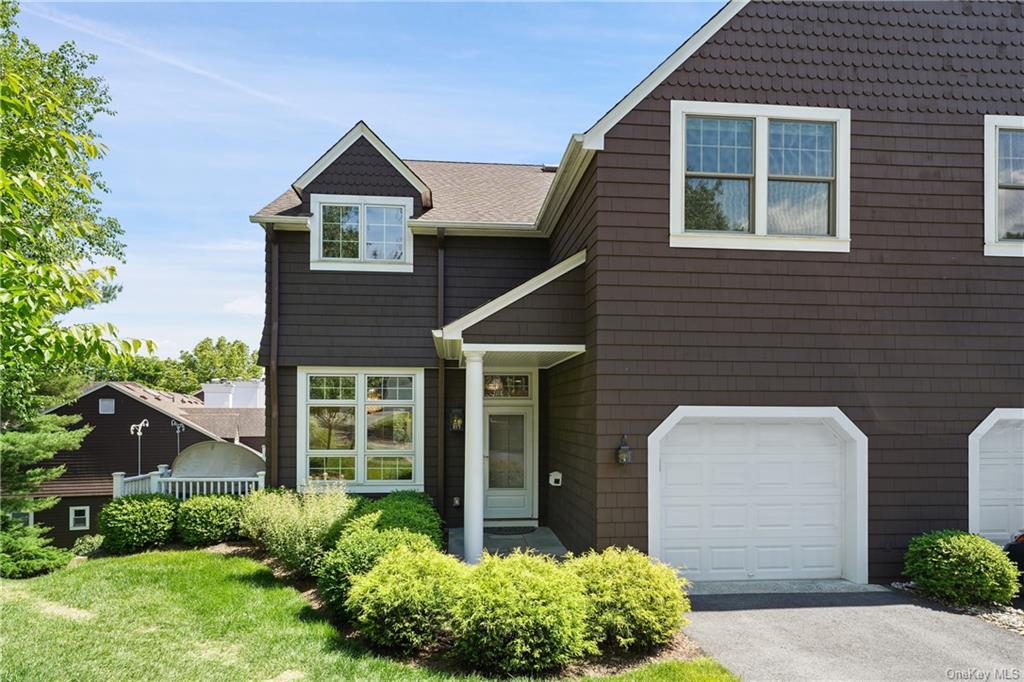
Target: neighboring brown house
(111, 408)
(764, 321)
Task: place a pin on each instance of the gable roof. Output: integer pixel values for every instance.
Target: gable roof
(173, 405)
(448, 339)
(361, 130)
(594, 137)
(464, 193)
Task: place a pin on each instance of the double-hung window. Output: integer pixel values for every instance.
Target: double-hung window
(361, 426)
(1004, 185)
(752, 176)
(360, 233)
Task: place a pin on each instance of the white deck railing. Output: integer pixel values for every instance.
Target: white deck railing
(184, 487)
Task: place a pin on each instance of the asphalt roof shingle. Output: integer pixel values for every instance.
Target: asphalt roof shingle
(463, 192)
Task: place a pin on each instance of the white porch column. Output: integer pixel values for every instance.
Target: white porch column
(473, 508)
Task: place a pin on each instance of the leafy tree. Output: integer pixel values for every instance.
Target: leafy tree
(51, 234)
(208, 360)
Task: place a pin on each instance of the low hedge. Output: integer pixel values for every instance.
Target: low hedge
(522, 614)
(406, 509)
(404, 602)
(961, 568)
(209, 519)
(137, 522)
(359, 548)
(636, 603)
(87, 545)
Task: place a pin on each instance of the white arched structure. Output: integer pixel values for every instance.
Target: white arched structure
(217, 459)
(737, 493)
(995, 475)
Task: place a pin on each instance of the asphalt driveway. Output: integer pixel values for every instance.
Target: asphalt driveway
(881, 635)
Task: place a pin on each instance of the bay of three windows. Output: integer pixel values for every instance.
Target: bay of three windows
(720, 163)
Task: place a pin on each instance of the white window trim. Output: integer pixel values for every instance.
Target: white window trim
(317, 262)
(359, 485)
(993, 246)
(113, 405)
(760, 239)
(71, 518)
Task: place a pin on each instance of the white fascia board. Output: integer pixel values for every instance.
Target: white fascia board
(454, 329)
(294, 223)
(594, 138)
(359, 130)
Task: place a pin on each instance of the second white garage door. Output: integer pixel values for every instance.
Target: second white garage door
(752, 500)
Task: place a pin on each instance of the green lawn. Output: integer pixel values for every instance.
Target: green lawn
(196, 615)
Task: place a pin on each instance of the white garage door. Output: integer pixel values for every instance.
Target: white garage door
(752, 500)
(1001, 481)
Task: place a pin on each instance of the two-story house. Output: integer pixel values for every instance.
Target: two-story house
(764, 320)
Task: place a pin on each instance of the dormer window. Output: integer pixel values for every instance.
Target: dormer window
(360, 233)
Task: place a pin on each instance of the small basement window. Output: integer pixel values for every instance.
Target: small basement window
(107, 405)
(360, 233)
(1004, 186)
(26, 519)
(78, 518)
(751, 176)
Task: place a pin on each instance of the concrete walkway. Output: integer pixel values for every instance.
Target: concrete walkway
(852, 635)
(541, 540)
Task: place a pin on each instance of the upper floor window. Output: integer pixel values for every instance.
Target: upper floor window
(360, 233)
(107, 405)
(759, 177)
(1004, 185)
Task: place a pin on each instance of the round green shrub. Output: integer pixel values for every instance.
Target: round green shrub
(522, 614)
(137, 522)
(636, 603)
(86, 545)
(259, 510)
(961, 568)
(404, 602)
(209, 519)
(409, 510)
(358, 550)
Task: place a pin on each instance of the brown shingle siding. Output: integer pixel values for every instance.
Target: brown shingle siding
(912, 334)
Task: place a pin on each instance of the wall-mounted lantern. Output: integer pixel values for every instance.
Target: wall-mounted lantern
(624, 453)
(456, 420)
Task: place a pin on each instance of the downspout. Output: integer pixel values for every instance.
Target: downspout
(275, 268)
(441, 421)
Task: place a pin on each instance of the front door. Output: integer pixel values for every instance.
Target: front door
(508, 463)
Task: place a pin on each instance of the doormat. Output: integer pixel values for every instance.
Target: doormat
(511, 530)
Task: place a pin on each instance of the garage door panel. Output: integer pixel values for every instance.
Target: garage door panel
(764, 500)
(1001, 481)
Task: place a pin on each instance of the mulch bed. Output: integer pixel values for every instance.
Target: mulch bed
(681, 648)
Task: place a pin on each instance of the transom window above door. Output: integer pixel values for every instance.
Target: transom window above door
(361, 427)
(751, 176)
(507, 386)
(360, 233)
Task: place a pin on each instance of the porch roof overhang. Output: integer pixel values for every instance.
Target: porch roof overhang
(450, 345)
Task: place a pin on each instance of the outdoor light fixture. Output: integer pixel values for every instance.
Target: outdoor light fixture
(178, 428)
(624, 453)
(456, 420)
(136, 430)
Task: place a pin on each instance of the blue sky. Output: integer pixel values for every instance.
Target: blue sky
(222, 105)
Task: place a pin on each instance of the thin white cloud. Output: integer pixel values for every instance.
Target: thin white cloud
(246, 305)
(103, 32)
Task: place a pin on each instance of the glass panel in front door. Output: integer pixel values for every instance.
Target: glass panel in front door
(506, 439)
